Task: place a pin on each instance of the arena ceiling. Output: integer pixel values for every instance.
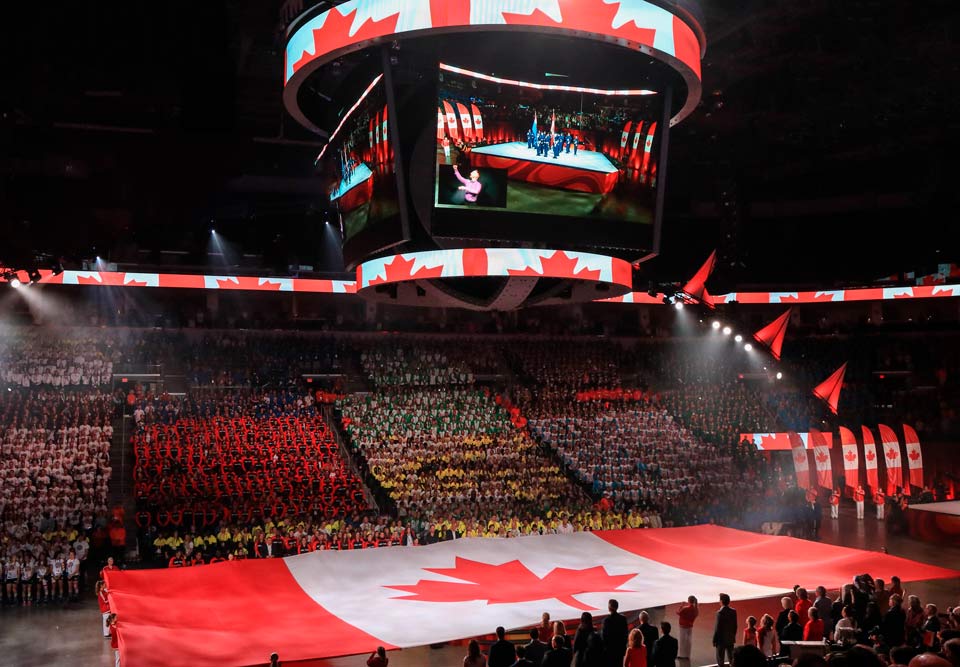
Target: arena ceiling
(820, 153)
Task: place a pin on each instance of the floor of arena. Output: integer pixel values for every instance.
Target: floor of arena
(55, 637)
(584, 159)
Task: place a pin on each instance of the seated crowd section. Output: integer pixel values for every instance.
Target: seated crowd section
(402, 439)
(55, 435)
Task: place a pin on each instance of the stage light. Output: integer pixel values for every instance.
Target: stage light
(727, 331)
(678, 305)
(213, 231)
(738, 338)
(715, 324)
(748, 347)
(15, 282)
(779, 375)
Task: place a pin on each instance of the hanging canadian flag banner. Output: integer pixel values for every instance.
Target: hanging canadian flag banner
(914, 456)
(800, 462)
(870, 459)
(892, 460)
(331, 603)
(821, 458)
(851, 458)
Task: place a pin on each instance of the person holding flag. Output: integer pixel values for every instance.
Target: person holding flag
(532, 136)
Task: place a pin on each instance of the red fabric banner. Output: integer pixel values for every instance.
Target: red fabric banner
(914, 456)
(466, 121)
(821, 458)
(477, 122)
(800, 462)
(851, 458)
(697, 285)
(451, 121)
(892, 460)
(870, 459)
(772, 335)
(829, 389)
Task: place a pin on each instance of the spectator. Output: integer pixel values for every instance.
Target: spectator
(725, 630)
(378, 658)
(558, 656)
(614, 633)
(665, 649)
(474, 657)
(535, 649)
(502, 652)
(687, 614)
(636, 655)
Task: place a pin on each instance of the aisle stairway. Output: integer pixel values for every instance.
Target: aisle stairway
(120, 489)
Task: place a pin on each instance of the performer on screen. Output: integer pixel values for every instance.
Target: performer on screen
(446, 148)
(470, 187)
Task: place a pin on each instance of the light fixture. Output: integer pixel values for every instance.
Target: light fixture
(779, 375)
(678, 305)
(715, 324)
(748, 347)
(738, 338)
(727, 331)
(15, 282)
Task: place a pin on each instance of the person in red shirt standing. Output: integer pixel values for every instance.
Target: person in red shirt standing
(114, 638)
(858, 496)
(109, 567)
(378, 658)
(688, 613)
(881, 502)
(803, 602)
(835, 504)
(750, 632)
(104, 603)
(813, 630)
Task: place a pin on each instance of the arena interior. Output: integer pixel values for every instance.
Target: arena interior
(506, 333)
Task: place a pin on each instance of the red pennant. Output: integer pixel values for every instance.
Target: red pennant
(829, 389)
(697, 286)
(771, 336)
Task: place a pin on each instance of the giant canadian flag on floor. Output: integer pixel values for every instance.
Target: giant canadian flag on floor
(331, 603)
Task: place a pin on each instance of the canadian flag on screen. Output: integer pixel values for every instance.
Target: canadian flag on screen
(851, 458)
(892, 460)
(870, 459)
(332, 603)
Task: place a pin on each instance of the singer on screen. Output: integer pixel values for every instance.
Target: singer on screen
(470, 187)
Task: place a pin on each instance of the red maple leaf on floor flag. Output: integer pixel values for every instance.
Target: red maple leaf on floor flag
(512, 582)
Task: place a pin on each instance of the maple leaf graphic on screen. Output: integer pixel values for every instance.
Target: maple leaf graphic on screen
(335, 33)
(818, 297)
(594, 16)
(557, 265)
(512, 582)
(401, 269)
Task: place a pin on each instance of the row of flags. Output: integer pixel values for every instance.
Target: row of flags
(470, 120)
(890, 452)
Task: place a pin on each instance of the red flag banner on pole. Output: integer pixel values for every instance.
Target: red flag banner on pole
(892, 460)
(829, 389)
(821, 458)
(870, 459)
(772, 335)
(384, 134)
(477, 122)
(697, 285)
(624, 138)
(800, 462)
(647, 148)
(851, 458)
(914, 456)
(466, 121)
(451, 121)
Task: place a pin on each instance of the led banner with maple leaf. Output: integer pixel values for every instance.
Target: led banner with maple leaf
(512, 582)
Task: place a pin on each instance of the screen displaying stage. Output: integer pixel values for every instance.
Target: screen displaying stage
(358, 164)
(546, 148)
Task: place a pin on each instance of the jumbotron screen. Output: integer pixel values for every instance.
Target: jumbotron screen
(553, 149)
(359, 162)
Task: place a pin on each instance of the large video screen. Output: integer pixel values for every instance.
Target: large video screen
(555, 149)
(358, 163)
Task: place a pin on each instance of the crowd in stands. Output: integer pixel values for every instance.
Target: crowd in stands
(237, 456)
(454, 450)
(34, 361)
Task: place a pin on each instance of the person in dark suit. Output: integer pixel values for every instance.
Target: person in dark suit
(535, 649)
(584, 631)
(559, 655)
(649, 633)
(893, 626)
(665, 648)
(725, 630)
(522, 660)
(614, 634)
(502, 653)
(792, 632)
